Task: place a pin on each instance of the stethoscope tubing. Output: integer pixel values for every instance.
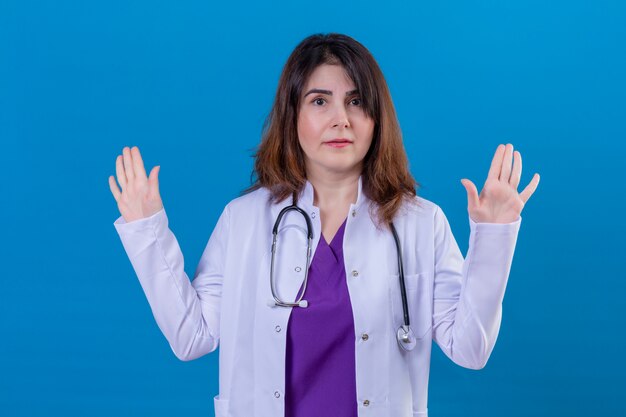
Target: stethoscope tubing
(405, 336)
(299, 302)
(405, 307)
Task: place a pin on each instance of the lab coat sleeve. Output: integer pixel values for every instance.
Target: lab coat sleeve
(468, 292)
(188, 313)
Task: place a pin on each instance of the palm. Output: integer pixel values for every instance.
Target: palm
(139, 197)
(499, 201)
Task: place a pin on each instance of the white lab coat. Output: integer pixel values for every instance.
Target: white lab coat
(456, 302)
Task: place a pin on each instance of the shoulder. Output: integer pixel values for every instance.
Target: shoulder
(256, 199)
(418, 208)
(244, 211)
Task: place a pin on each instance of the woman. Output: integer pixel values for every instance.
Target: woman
(328, 335)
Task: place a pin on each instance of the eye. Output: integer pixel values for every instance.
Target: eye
(319, 101)
(356, 101)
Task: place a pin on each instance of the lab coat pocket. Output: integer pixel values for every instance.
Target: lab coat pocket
(419, 299)
(221, 406)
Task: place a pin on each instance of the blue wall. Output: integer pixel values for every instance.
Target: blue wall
(191, 82)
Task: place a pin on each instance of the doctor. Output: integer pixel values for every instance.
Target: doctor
(331, 146)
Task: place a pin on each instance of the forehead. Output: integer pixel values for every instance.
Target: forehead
(329, 77)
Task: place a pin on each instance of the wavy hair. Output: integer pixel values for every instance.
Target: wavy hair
(279, 160)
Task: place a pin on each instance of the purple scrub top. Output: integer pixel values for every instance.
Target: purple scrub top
(320, 367)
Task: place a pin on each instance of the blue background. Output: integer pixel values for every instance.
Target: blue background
(190, 83)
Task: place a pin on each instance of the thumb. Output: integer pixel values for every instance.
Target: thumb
(472, 193)
(153, 179)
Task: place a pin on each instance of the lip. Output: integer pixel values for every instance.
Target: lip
(338, 142)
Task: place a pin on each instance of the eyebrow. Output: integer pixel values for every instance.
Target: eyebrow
(328, 92)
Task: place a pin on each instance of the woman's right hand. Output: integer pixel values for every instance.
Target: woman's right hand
(140, 196)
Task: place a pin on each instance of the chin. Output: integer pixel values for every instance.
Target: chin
(341, 168)
(341, 164)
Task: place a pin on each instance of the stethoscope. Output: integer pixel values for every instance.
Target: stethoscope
(405, 336)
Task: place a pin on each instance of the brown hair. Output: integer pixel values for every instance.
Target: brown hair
(279, 160)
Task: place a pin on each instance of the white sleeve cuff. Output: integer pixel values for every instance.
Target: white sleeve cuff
(498, 228)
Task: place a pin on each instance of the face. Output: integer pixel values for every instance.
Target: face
(334, 131)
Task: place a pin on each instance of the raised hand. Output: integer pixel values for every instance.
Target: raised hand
(499, 201)
(140, 196)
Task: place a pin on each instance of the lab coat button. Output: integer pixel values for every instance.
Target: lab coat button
(366, 403)
(277, 328)
(355, 273)
(353, 213)
(276, 394)
(298, 269)
(365, 336)
(313, 215)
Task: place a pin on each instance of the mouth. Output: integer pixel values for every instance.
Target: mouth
(338, 143)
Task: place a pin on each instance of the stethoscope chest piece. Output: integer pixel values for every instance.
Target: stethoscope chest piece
(406, 338)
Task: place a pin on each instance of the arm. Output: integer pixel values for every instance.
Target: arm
(468, 292)
(187, 313)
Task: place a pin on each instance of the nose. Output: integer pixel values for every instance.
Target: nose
(341, 117)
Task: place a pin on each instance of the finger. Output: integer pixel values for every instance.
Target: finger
(128, 165)
(114, 189)
(507, 160)
(119, 169)
(138, 163)
(154, 178)
(496, 163)
(530, 188)
(517, 170)
(472, 193)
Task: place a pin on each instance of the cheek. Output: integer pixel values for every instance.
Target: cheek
(367, 132)
(367, 144)
(304, 135)
(308, 132)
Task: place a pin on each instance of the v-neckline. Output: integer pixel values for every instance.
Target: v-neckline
(330, 244)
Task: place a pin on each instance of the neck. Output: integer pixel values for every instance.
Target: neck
(334, 190)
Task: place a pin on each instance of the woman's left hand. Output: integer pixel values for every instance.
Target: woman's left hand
(499, 201)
